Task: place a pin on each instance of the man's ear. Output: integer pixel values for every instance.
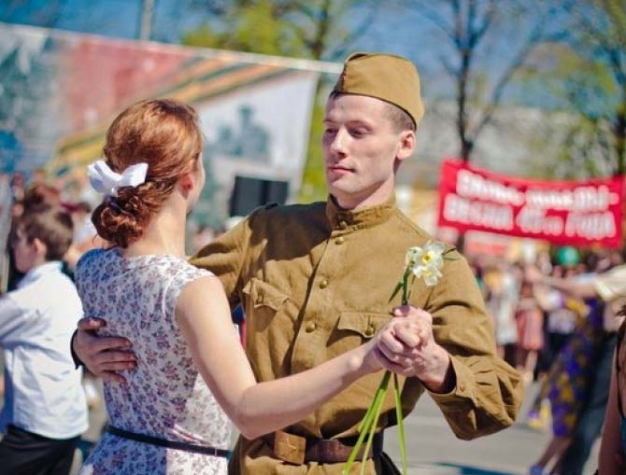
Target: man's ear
(40, 247)
(407, 144)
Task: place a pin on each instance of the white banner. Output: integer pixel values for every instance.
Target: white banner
(60, 91)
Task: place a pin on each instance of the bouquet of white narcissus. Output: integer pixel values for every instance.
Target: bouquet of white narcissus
(420, 262)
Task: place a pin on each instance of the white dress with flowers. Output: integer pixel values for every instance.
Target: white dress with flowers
(164, 396)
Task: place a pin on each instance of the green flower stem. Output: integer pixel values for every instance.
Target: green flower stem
(396, 388)
(379, 406)
(368, 425)
(400, 419)
(369, 421)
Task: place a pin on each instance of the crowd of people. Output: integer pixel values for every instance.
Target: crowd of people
(156, 324)
(556, 321)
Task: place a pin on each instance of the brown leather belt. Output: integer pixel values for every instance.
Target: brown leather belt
(298, 450)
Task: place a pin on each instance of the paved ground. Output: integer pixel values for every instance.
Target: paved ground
(432, 448)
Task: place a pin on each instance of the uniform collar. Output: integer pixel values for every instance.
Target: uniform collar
(342, 219)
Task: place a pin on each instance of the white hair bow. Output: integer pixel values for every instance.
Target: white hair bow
(104, 180)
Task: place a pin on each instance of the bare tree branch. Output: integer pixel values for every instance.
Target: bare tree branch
(535, 37)
(448, 66)
(358, 32)
(426, 11)
(476, 34)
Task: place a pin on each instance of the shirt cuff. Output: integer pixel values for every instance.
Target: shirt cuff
(464, 389)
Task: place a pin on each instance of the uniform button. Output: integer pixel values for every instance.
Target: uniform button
(323, 284)
(339, 240)
(369, 331)
(343, 224)
(462, 387)
(311, 327)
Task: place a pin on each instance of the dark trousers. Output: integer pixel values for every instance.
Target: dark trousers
(25, 453)
(592, 415)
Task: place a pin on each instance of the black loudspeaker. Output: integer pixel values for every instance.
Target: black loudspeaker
(250, 193)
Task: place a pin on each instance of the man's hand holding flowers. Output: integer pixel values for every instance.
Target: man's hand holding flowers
(405, 345)
(409, 349)
(397, 343)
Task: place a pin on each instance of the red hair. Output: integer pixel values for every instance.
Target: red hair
(162, 133)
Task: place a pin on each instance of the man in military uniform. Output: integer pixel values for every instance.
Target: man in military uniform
(315, 280)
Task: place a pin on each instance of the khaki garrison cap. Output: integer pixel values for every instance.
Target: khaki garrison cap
(384, 76)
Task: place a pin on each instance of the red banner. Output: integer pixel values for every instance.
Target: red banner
(577, 213)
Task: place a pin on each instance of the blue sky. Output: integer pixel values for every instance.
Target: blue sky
(115, 18)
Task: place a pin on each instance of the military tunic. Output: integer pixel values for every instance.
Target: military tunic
(315, 281)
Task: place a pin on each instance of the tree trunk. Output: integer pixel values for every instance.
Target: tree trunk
(619, 132)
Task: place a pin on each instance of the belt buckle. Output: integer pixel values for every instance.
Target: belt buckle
(289, 448)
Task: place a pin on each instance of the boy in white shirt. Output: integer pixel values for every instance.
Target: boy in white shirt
(44, 410)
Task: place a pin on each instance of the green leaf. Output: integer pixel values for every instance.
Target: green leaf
(395, 291)
(409, 290)
(449, 258)
(405, 287)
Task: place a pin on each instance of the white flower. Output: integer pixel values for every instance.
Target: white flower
(426, 262)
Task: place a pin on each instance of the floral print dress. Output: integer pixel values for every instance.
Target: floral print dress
(164, 396)
(571, 373)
